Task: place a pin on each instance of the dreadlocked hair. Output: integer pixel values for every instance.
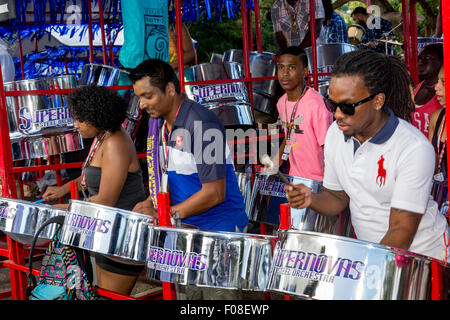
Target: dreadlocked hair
(381, 74)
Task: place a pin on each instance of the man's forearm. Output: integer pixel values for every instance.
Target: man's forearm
(329, 203)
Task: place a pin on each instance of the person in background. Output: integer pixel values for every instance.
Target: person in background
(430, 61)
(7, 63)
(375, 161)
(438, 138)
(188, 47)
(290, 19)
(304, 115)
(111, 172)
(334, 26)
(375, 29)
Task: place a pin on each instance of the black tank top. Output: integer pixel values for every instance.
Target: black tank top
(437, 145)
(132, 191)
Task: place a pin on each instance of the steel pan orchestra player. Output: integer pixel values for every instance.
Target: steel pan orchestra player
(375, 161)
(197, 168)
(111, 172)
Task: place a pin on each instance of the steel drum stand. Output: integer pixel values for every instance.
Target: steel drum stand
(164, 220)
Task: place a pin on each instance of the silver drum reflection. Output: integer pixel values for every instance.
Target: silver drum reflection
(229, 101)
(38, 114)
(121, 234)
(210, 259)
(47, 145)
(267, 195)
(21, 219)
(326, 267)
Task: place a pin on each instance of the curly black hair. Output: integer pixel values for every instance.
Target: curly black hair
(98, 106)
(381, 74)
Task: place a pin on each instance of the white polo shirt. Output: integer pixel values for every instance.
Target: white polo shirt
(394, 168)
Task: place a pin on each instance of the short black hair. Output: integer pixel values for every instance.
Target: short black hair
(381, 74)
(99, 106)
(296, 51)
(160, 73)
(361, 10)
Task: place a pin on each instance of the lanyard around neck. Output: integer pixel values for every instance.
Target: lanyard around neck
(164, 141)
(95, 144)
(291, 122)
(444, 144)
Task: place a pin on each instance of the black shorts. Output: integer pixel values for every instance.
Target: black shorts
(116, 267)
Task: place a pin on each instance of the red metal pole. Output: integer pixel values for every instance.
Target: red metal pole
(414, 54)
(312, 28)
(6, 162)
(250, 30)
(446, 33)
(163, 199)
(91, 45)
(102, 30)
(259, 47)
(406, 34)
(246, 51)
(74, 194)
(179, 31)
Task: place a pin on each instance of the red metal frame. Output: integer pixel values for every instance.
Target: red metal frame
(8, 172)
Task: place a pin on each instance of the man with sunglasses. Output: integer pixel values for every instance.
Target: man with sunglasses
(375, 161)
(304, 116)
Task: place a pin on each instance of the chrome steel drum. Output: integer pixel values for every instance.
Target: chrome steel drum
(210, 259)
(229, 101)
(327, 54)
(261, 65)
(355, 33)
(21, 219)
(326, 267)
(38, 114)
(41, 146)
(245, 186)
(104, 75)
(423, 41)
(216, 58)
(121, 234)
(267, 195)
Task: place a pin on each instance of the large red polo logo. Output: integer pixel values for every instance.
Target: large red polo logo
(381, 178)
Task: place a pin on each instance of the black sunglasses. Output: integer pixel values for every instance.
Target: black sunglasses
(346, 108)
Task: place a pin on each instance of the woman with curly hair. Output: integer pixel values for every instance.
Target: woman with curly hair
(111, 172)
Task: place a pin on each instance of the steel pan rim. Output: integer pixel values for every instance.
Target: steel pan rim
(224, 234)
(105, 67)
(392, 250)
(109, 208)
(31, 204)
(25, 81)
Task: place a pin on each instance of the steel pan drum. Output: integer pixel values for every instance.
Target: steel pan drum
(245, 186)
(267, 195)
(229, 101)
(209, 259)
(261, 65)
(41, 146)
(38, 114)
(121, 234)
(355, 33)
(327, 54)
(21, 219)
(326, 267)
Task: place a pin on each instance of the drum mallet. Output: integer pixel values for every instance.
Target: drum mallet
(266, 161)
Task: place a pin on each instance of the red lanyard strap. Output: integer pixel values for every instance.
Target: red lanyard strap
(95, 144)
(444, 145)
(291, 124)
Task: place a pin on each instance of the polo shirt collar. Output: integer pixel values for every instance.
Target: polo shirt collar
(386, 132)
(182, 114)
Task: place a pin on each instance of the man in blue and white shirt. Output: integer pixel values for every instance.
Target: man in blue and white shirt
(201, 178)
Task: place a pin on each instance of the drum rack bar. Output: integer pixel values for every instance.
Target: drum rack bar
(164, 216)
(312, 29)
